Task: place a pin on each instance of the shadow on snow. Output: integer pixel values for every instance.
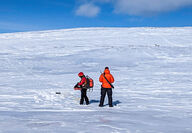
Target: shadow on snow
(94, 101)
(115, 103)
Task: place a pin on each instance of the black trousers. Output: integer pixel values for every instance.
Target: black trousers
(109, 94)
(84, 96)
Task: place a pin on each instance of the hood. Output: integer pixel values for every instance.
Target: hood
(107, 71)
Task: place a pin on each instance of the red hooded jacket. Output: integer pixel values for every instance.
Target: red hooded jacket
(83, 80)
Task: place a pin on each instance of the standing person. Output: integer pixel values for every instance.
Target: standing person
(106, 87)
(81, 85)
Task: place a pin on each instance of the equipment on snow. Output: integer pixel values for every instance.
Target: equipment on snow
(58, 92)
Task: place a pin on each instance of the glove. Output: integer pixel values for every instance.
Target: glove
(77, 86)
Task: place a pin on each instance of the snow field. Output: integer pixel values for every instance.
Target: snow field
(151, 66)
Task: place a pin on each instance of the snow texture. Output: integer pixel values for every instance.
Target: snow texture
(152, 68)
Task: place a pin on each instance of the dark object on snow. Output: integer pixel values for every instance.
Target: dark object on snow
(58, 92)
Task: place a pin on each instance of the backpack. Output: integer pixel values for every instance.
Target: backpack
(89, 82)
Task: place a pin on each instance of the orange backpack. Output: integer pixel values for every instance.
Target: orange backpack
(89, 82)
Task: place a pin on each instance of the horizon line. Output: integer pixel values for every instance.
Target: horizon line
(73, 28)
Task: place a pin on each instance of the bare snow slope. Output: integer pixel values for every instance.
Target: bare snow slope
(153, 80)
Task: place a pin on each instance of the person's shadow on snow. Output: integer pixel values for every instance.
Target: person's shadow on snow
(115, 103)
(94, 101)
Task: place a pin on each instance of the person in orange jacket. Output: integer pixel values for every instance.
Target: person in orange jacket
(106, 87)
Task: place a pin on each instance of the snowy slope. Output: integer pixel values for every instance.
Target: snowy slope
(153, 80)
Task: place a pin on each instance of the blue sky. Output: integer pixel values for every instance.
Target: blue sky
(32, 15)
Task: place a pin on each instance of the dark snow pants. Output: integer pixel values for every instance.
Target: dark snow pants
(109, 94)
(84, 96)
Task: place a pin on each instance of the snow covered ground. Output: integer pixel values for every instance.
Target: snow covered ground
(152, 68)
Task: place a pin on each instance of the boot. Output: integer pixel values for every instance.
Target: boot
(81, 102)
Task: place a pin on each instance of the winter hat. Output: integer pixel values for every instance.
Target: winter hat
(80, 74)
(106, 67)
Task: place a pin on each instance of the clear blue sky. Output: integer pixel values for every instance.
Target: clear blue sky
(30, 15)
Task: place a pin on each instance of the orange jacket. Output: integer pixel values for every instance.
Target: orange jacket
(109, 77)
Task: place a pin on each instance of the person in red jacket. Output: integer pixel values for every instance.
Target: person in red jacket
(81, 84)
(106, 87)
